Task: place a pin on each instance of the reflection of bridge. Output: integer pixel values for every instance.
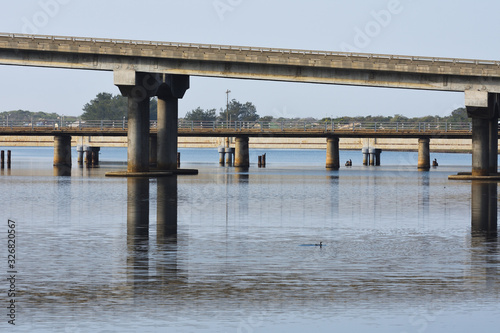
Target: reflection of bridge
(144, 69)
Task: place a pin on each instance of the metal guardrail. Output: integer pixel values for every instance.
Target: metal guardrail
(250, 126)
(450, 61)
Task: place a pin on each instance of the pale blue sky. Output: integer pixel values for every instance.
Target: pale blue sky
(459, 28)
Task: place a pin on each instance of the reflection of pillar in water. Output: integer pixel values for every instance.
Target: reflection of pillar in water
(137, 230)
(423, 196)
(334, 196)
(484, 241)
(166, 208)
(484, 207)
(242, 180)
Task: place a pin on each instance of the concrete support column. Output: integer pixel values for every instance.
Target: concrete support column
(493, 144)
(229, 156)
(168, 110)
(62, 150)
(365, 155)
(372, 152)
(332, 153)
(153, 150)
(242, 155)
(480, 147)
(222, 153)
(424, 157)
(138, 135)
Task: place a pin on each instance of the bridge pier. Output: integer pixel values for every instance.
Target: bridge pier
(332, 153)
(138, 88)
(153, 151)
(168, 110)
(483, 108)
(242, 154)
(424, 157)
(170, 90)
(62, 150)
(138, 135)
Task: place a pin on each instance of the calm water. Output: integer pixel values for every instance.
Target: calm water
(98, 254)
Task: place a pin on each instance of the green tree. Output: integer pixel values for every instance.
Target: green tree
(199, 114)
(105, 107)
(239, 112)
(459, 115)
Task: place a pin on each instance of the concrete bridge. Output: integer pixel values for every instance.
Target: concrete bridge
(143, 69)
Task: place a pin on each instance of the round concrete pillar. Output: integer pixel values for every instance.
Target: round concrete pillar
(377, 156)
(153, 150)
(229, 156)
(365, 155)
(424, 158)
(80, 150)
(242, 155)
(138, 135)
(493, 154)
(480, 147)
(332, 153)
(222, 153)
(168, 110)
(372, 152)
(62, 150)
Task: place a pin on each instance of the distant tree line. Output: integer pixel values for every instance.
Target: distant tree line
(106, 106)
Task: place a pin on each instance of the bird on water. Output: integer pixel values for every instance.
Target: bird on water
(320, 244)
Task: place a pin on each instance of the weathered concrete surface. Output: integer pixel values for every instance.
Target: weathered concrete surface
(241, 155)
(251, 63)
(424, 158)
(62, 150)
(332, 153)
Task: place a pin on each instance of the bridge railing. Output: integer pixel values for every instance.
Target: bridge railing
(247, 126)
(324, 126)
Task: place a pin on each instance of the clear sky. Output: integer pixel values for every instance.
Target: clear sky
(444, 28)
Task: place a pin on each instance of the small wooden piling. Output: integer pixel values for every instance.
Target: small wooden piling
(2, 159)
(8, 158)
(178, 159)
(260, 161)
(264, 160)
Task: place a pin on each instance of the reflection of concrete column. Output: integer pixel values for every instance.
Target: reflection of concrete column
(242, 154)
(332, 153)
(484, 207)
(137, 230)
(424, 158)
(62, 150)
(138, 207)
(166, 208)
(423, 196)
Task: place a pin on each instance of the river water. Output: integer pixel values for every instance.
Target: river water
(234, 251)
